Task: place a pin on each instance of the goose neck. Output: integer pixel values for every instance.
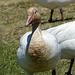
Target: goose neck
(35, 27)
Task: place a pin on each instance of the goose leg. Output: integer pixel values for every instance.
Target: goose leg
(71, 64)
(53, 72)
(61, 11)
(50, 20)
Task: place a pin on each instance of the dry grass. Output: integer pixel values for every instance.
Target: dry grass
(7, 2)
(13, 16)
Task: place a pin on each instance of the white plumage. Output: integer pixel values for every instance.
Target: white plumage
(39, 50)
(65, 35)
(52, 4)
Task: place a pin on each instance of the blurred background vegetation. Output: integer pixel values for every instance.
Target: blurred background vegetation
(13, 15)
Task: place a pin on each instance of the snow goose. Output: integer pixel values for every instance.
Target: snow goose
(39, 50)
(52, 4)
(65, 34)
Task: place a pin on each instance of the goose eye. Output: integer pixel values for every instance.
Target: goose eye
(35, 12)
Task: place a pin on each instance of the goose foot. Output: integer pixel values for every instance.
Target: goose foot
(50, 21)
(54, 72)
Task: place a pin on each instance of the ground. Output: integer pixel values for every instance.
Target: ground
(13, 15)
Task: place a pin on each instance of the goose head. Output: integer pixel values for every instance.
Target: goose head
(33, 16)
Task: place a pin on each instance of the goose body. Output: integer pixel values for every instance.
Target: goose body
(52, 4)
(39, 50)
(38, 61)
(65, 35)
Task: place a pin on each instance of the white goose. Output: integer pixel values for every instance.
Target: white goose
(52, 4)
(38, 50)
(65, 34)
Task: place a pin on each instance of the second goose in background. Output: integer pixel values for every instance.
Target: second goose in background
(52, 4)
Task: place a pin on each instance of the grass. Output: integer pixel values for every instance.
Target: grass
(13, 16)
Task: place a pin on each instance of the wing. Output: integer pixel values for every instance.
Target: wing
(68, 49)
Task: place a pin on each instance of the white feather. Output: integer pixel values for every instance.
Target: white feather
(65, 34)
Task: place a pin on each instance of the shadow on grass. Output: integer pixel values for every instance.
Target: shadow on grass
(57, 20)
(69, 19)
